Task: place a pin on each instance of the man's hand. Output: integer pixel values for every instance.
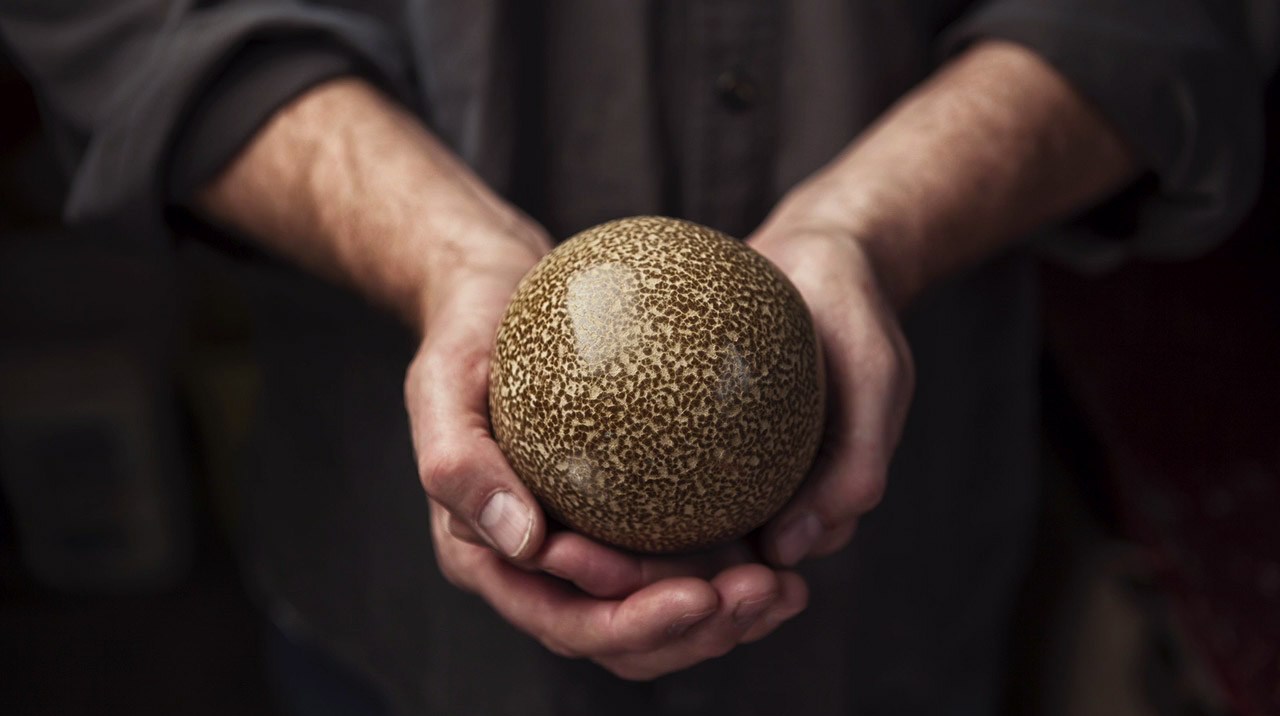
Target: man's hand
(993, 145)
(349, 185)
(446, 393)
(638, 617)
(869, 378)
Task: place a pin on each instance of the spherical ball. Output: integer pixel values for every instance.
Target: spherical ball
(657, 385)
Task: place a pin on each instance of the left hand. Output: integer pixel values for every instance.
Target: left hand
(638, 616)
(869, 375)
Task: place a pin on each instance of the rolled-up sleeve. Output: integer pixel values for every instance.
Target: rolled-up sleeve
(123, 83)
(1182, 80)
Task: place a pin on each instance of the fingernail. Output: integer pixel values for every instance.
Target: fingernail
(687, 622)
(506, 522)
(748, 611)
(798, 538)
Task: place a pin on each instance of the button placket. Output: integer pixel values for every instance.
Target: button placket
(733, 48)
(737, 91)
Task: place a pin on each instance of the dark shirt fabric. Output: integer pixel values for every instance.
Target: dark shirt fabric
(587, 110)
(1181, 78)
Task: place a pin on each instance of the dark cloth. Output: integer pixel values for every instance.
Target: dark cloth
(119, 81)
(308, 682)
(912, 620)
(586, 110)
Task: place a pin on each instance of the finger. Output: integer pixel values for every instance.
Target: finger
(834, 540)
(569, 622)
(460, 465)
(462, 530)
(457, 560)
(845, 484)
(590, 566)
(746, 592)
(849, 477)
(605, 572)
(793, 599)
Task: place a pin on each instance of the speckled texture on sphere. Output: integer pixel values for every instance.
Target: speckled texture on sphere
(657, 385)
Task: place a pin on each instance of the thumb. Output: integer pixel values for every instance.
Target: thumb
(460, 465)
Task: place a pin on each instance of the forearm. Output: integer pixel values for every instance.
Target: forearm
(994, 145)
(350, 186)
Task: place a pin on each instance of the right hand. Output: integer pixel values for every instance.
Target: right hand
(348, 184)
(639, 617)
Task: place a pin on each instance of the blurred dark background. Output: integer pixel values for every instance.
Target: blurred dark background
(127, 385)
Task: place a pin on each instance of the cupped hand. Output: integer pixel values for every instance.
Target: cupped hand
(446, 388)
(639, 617)
(385, 207)
(870, 380)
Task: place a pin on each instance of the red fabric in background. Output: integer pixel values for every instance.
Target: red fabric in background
(1176, 367)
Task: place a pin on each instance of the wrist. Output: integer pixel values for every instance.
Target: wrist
(826, 206)
(481, 253)
(408, 219)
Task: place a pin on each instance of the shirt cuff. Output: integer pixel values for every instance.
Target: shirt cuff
(260, 79)
(1185, 97)
(127, 178)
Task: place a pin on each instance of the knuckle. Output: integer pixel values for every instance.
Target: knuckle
(460, 531)
(445, 363)
(442, 471)
(879, 360)
(873, 494)
(868, 493)
(473, 365)
(851, 497)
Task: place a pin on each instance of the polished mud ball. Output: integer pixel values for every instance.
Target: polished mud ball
(657, 385)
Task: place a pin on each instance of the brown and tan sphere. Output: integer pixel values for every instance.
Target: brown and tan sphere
(657, 385)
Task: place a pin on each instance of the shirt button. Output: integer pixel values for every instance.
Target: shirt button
(736, 91)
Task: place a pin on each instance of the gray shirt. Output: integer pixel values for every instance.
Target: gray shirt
(586, 110)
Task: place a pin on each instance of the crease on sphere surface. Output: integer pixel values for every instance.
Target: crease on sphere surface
(657, 385)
